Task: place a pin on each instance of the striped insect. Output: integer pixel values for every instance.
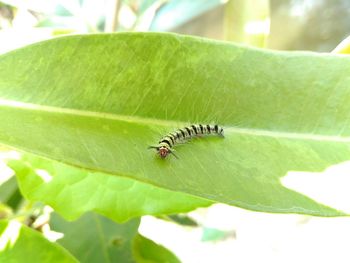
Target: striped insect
(168, 141)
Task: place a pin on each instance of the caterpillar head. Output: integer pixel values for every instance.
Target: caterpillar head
(163, 151)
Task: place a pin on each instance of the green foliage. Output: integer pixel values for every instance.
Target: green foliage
(147, 251)
(98, 101)
(93, 238)
(72, 191)
(20, 244)
(182, 220)
(9, 193)
(89, 106)
(130, 97)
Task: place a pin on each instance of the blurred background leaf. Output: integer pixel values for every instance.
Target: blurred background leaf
(147, 251)
(247, 21)
(20, 244)
(9, 193)
(94, 238)
(175, 13)
(311, 25)
(72, 191)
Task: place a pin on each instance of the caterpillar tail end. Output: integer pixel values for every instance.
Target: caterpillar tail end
(222, 134)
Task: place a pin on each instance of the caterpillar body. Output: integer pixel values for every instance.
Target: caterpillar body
(168, 141)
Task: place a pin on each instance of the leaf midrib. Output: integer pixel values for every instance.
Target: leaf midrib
(169, 123)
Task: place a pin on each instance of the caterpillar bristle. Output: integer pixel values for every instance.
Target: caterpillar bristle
(165, 145)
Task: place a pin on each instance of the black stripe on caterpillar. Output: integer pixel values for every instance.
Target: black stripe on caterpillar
(165, 145)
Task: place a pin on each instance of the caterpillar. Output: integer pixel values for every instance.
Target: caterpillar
(165, 145)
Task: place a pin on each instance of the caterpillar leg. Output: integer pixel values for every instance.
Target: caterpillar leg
(172, 152)
(153, 147)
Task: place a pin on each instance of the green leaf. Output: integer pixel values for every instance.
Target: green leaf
(94, 238)
(9, 193)
(19, 243)
(98, 101)
(147, 251)
(7, 188)
(72, 191)
(182, 219)
(5, 211)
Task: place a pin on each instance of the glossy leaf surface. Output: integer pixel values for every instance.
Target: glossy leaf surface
(98, 101)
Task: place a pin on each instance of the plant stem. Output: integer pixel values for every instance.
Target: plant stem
(112, 15)
(247, 21)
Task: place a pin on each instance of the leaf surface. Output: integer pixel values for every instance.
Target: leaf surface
(147, 251)
(72, 191)
(94, 238)
(19, 243)
(98, 101)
